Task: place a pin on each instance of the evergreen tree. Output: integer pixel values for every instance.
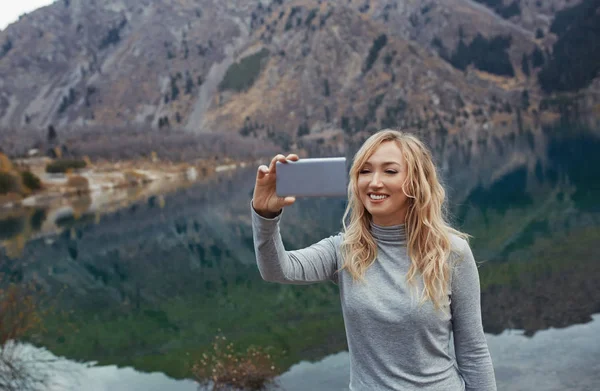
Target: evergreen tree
(525, 64)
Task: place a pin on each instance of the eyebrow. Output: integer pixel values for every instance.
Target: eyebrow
(384, 163)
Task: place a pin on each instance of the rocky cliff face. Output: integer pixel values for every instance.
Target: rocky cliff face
(303, 70)
(111, 62)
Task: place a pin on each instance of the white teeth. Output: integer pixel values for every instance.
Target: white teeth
(377, 197)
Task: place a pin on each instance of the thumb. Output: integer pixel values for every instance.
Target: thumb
(287, 201)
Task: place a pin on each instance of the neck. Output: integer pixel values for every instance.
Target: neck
(389, 233)
(389, 221)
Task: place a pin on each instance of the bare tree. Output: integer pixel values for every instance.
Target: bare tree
(22, 367)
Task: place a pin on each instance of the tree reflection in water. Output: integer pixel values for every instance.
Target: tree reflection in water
(155, 281)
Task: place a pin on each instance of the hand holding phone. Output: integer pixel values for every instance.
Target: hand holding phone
(265, 200)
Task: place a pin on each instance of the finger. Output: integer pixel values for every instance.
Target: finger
(287, 201)
(272, 167)
(262, 171)
(292, 157)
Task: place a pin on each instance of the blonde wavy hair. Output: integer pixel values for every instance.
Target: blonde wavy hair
(428, 233)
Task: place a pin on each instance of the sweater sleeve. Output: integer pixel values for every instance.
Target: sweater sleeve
(470, 345)
(317, 262)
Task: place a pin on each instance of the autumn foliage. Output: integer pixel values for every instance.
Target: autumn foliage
(19, 317)
(18, 313)
(224, 368)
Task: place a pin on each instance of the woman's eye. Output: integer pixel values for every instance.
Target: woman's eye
(364, 171)
(391, 171)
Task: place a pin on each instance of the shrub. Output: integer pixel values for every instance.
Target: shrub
(9, 183)
(63, 165)
(20, 316)
(78, 182)
(537, 58)
(67, 101)
(18, 313)
(378, 44)
(225, 368)
(6, 47)
(135, 177)
(113, 36)
(311, 15)
(30, 180)
(525, 64)
(37, 219)
(303, 129)
(5, 163)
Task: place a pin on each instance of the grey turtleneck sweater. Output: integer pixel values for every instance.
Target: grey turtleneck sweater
(394, 343)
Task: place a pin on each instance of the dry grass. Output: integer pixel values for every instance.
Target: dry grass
(133, 177)
(506, 82)
(78, 183)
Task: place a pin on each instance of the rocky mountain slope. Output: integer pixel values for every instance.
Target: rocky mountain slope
(313, 71)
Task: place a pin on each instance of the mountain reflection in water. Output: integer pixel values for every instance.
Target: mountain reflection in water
(150, 285)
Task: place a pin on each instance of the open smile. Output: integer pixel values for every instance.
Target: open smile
(377, 196)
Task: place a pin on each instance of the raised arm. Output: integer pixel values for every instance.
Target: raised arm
(472, 353)
(315, 263)
(311, 264)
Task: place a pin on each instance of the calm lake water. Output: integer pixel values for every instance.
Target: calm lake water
(150, 285)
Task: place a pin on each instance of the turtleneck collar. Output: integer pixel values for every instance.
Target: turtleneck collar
(392, 234)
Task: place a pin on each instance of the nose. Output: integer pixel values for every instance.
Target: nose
(375, 180)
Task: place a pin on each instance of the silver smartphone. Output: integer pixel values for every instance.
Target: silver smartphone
(316, 177)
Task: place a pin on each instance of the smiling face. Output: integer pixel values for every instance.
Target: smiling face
(380, 182)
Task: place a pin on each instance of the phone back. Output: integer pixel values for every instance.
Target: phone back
(316, 177)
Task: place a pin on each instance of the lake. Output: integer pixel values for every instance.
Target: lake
(143, 290)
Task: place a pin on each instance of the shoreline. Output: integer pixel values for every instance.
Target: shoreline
(520, 363)
(106, 178)
(101, 188)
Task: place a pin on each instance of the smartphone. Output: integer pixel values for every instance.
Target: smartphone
(316, 177)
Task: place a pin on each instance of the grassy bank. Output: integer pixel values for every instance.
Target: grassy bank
(296, 322)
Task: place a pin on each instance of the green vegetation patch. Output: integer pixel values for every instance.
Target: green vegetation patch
(63, 165)
(550, 256)
(171, 336)
(241, 75)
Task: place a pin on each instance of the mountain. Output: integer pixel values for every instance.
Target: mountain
(306, 71)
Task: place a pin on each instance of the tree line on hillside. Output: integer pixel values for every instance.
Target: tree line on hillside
(570, 66)
(134, 142)
(486, 54)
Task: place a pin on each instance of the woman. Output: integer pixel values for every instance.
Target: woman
(407, 279)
